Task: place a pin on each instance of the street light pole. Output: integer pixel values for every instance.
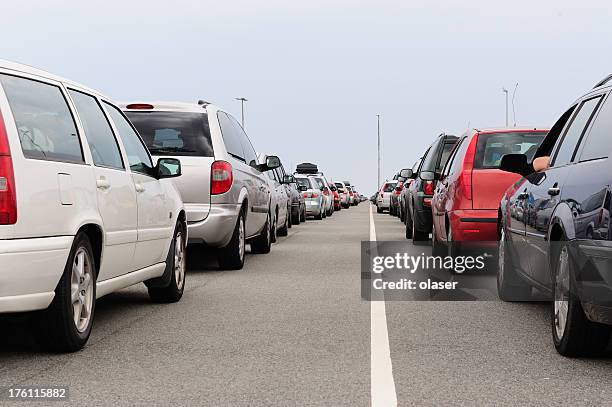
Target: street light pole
(506, 92)
(242, 100)
(378, 131)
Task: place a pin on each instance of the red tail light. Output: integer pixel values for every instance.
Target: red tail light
(306, 195)
(221, 177)
(325, 192)
(428, 188)
(314, 195)
(8, 197)
(468, 166)
(140, 106)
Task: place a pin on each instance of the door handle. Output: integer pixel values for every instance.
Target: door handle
(554, 191)
(102, 184)
(139, 187)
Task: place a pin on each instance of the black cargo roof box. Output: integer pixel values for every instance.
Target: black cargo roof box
(307, 168)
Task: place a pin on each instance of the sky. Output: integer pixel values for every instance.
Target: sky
(317, 72)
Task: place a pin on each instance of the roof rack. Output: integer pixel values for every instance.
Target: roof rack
(603, 81)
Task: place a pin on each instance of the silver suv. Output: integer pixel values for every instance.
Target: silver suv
(224, 188)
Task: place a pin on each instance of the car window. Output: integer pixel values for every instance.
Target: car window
(305, 182)
(389, 187)
(233, 145)
(446, 151)
(174, 133)
(565, 152)
(490, 148)
(46, 127)
(598, 143)
(100, 137)
(137, 154)
(429, 160)
(250, 155)
(452, 159)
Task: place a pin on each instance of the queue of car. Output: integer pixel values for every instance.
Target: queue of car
(542, 196)
(97, 196)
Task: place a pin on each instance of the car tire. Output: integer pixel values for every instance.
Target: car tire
(379, 210)
(303, 214)
(262, 243)
(417, 235)
(437, 247)
(319, 216)
(231, 257)
(295, 216)
(573, 334)
(408, 226)
(284, 231)
(55, 327)
(274, 229)
(510, 286)
(176, 266)
(289, 217)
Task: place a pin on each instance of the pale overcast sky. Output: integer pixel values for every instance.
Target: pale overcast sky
(317, 72)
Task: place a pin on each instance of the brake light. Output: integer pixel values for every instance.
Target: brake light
(314, 195)
(427, 201)
(306, 195)
(468, 166)
(8, 197)
(221, 177)
(428, 188)
(140, 106)
(325, 192)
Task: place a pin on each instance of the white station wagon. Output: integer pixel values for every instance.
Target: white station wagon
(84, 211)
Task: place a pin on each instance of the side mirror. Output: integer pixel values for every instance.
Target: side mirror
(168, 168)
(516, 163)
(288, 179)
(272, 162)
(427, 175)
(406, 173)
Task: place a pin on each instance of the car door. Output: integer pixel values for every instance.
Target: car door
(155, 218)
(544, 190)
(443, 197)
(116, 194)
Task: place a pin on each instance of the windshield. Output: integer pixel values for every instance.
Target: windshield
(492, 147)
(174, 133)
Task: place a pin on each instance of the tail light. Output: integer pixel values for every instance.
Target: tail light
(221, 177)
(314, 195)
(468, 166)
(8, 197)
(326, 192)
(306, 195)
(428, 188)
(140, 106)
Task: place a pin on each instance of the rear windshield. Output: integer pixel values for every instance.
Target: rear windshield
(389, 187)
(304, 182)
(174, 133)
(492, 147)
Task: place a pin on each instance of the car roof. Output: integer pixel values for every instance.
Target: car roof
(525, 129)
(168, 106)
(30, 70)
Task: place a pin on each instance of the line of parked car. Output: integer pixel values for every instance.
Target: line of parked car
(97, 196)
(542, 196)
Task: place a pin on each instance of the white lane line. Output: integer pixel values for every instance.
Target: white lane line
(382, 385)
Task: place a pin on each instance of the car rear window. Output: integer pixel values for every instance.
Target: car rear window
(304, 182)
(182, 134)
(492, 147)
(389, 187)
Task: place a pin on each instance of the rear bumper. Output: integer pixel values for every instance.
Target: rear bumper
(30, 271)
(218, 227)
(383, 203)
(474, 225)
(313, 207)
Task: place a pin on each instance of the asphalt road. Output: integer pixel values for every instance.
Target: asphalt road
(292, 329)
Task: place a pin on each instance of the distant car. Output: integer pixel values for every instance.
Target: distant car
(225, 189)
(395, 197)
(312, 194)
(383, 200)
(298, 203)
(409, 174)
(344, 195)
(328, 200)
(351, 195)
(466, 200)
(336, 195)
(421, 190)
(280, 205)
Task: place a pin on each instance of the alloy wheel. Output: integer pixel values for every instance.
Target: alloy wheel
(179, 260)
(81, 289)
(561, 294)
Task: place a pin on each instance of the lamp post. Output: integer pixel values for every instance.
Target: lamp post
(378, 132)
(506, 92)
(242, 100)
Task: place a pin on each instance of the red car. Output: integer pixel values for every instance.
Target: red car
(466, 200)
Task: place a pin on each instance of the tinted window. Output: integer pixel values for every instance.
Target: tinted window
(45, 125)
(389, 187)
(249, 152)
(576, 128)
(599, 141)
(455, 158)
(233, 145)
(181, 134)
(490, 148)
(138, 156)
(437, 155)
(303, 182)
(102, 142)
(446, 151)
